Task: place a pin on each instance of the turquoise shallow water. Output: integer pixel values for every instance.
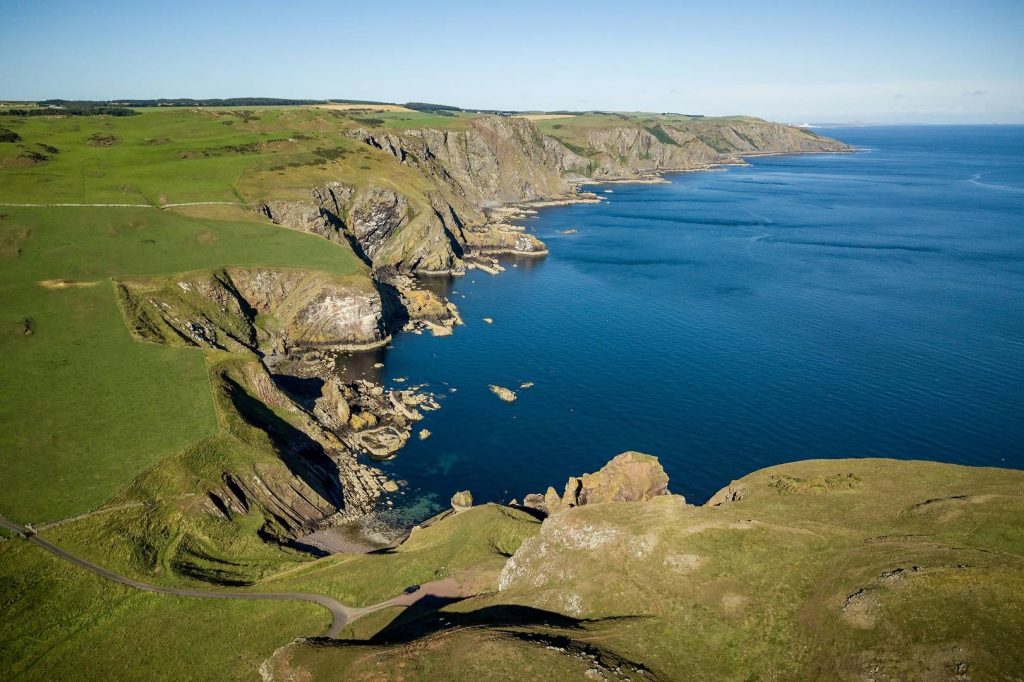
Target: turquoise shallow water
(818, 306)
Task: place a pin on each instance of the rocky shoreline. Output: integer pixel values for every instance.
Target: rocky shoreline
(299, 325)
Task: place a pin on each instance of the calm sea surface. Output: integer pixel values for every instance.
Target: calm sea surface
(818, 306)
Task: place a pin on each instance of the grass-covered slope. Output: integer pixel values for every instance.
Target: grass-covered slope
(89, 407)
(844, 569)
(60, 622)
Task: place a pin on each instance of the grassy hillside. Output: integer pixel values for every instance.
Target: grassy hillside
(180, 155)
(92, 407)
(61, 622)
(841, 569)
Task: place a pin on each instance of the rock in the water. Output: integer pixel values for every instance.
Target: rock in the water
(629, 477)
(462, 500)
(489, 320)
(390, 487)
(424, 434)
(505, 394)
(438, 329)
(526, 384)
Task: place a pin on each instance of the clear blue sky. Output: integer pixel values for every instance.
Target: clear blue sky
(893, 61)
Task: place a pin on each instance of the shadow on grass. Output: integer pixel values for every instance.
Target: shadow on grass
(424, 618)
(526, 624)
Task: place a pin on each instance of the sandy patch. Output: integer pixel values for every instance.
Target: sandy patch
(340, 106)
(546, 117)
(66, 284)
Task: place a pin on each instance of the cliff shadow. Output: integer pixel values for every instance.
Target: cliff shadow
(554, 630)
(303, 456)
(424, 618)
(302, 390)
(396, 314)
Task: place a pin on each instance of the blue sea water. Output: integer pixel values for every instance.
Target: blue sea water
(816, 306)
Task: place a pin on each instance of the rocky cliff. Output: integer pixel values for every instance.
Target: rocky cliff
(444, 222)
(256, 308)
(302, 467)
(629, 477)
(630, 151)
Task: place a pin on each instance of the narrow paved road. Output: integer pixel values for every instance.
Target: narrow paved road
(446, 588)
(339, 611)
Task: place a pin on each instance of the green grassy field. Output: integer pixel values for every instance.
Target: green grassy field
(823, 570)
(91, 408)
(61, 622)
(180, 155)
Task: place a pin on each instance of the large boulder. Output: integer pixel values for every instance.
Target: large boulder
(462, 500)
(629, 477)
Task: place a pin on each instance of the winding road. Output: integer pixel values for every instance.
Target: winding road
(342, 614)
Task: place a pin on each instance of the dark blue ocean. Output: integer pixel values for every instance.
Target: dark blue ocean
(818, 306)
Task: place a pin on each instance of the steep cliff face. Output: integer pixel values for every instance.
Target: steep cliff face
(498, 160)
(627, 151)
(380, 223)
(248, 309)
(321, 214)
(314, 479)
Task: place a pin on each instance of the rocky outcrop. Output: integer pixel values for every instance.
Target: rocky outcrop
(320, 214)
(376, 216)
(380, 421)
(505, 394)
(314, 309)
(379, 223)
(408, 306)
(269, 309)
(501, 239)
(629, 477)
(462, 500)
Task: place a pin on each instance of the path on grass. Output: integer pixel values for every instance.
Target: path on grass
(189, 203)
(447, 588)
(105, 510)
